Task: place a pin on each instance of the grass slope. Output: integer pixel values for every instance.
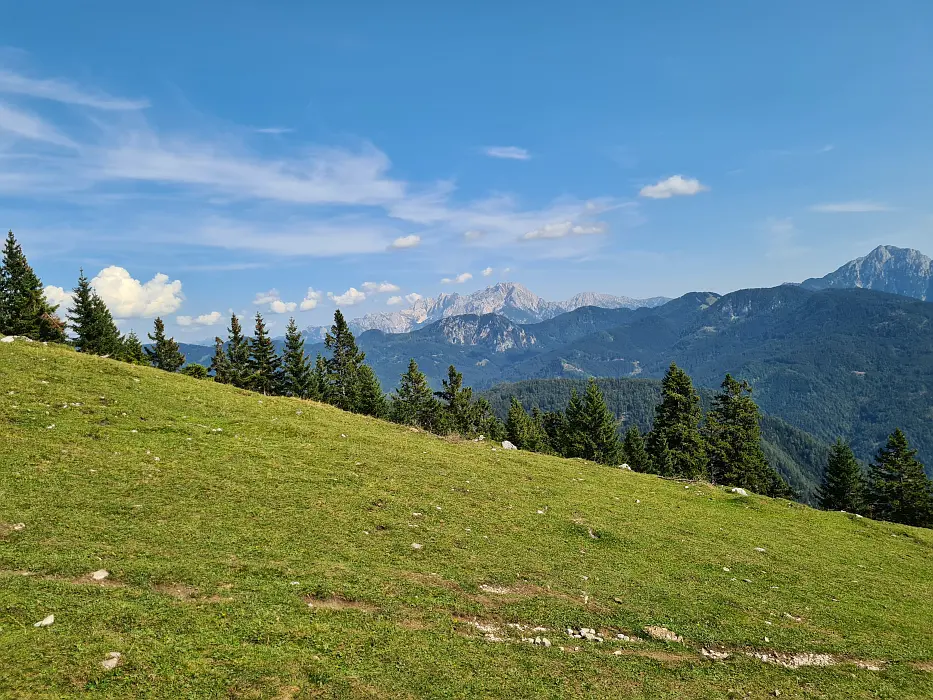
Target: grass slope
(220, 514)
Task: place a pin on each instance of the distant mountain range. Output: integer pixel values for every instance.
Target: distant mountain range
(511, 300)
(901, 271)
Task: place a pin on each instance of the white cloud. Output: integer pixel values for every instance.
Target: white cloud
(211, 319)
(561, 229)
(282, 307)
(311, 299)
(380, 287)
(266, 297)
(854, 207)
(507, 152)
(348, 298)
(129, 298)
(459, 279)
(394, 301)
(57, 296)
(29, 126)
(61, 91)
(675, 186)
(406, 242)
(487, 272)
(275, 130)
(413, 297)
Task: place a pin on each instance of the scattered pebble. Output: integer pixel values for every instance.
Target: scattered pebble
(662, 634)
(760, 549)
(113, 658)
(45, 622)
(726, 569)
(49, 427)
(100, 574)
(415, 545)
(19, 526)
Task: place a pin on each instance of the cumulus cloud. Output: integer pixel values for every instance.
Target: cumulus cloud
(507, 152)
(380, 287)
(459, 279)
(675, 186)
(129, 298)
(561, 229)
(487, 272)
(211, 319)
(266, 297)
(856, 207)
(57, 296)
(311, 299)
(394, 301)
(348, 298)
(282, 307)
(413, 297)
(406, 242)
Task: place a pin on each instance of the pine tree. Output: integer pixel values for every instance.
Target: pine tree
(220, 365)
(733, 437)
(343, 365)
(317, 389)
(195, 371)
(264, 362)
(94, 329)
(237, 366)
(24, 309)
(519, 428)
(296, 366)
(413, 402)
(898, 488)
(554, 425)
(574, 426)
(597, 432)
(164, 353)
(675, 443)
(634, 451)
(458, 403)
(133, 350)
(485, 421)
(371, 400)
(843, 486)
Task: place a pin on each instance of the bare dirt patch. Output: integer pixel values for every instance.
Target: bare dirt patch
(923, 666)
(178, 591)
(338, 603)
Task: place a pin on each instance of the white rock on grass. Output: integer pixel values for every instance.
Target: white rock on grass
(506, 445)
(112, 660)
(740, 491)
(100, 574)
(417, 546)
(45, 622)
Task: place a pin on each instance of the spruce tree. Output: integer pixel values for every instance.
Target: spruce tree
(220, 365)
(898, 489)
(317, 390)
(458, 403)
(675, 444)
(264, 362)
(23, 307)
(413, 402)
(164, 353)
(519, 428)
(574, 426)
(485, 421)
(733, 437)
(237, 367)
(634, 451)
(133, 350)
(195, 371)
(296, 366)
(370, 399)
(554, 425)
(94, 329)
(843, 486)
(597, 433)
(343, 365)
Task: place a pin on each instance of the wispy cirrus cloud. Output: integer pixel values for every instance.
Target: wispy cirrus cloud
(507, 152)
(65, 92)
(853, 207)
(24, 125)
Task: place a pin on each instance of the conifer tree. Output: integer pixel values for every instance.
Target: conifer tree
(237, 367)
(733, 437)
(164, 353)
(485, 422)
(371, 400)
(195, 371)
(519, 428)
(675, 443)
(220, 365)
(296, 366)
(634, 451)
(554, 425)
(574, 427)
(898, 488)
(264, 363)
(458, 403)
(133, 350)
(343, 365)
(317, 390)
(843, 486)
(94, 329)
(24, 309)
(597, 434)
(413, 402)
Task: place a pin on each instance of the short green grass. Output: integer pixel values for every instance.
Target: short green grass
(220, 513)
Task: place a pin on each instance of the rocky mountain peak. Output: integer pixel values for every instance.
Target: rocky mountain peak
(903, 271)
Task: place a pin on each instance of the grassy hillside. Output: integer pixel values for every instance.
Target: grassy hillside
(264, 547)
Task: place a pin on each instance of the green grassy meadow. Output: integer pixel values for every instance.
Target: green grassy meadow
(264, 548)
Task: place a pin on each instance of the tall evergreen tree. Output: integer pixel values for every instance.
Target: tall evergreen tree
(413, 402)
(521, 430)
(634, 451)
(597, 432)
(24, 309)
(733, 437)
(898, 488)
(573, 439)
(133, 350)
(675, 444)
(296, 366)
(554, 425)
(164, 352)
(317, 389)
(843, 486)
(94, 329)
(220, 365)
(461, 414)
(237, 367)
(370, 399)
(343, 365)
(264, 362)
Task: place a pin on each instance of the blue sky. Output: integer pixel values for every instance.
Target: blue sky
(200, 157)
